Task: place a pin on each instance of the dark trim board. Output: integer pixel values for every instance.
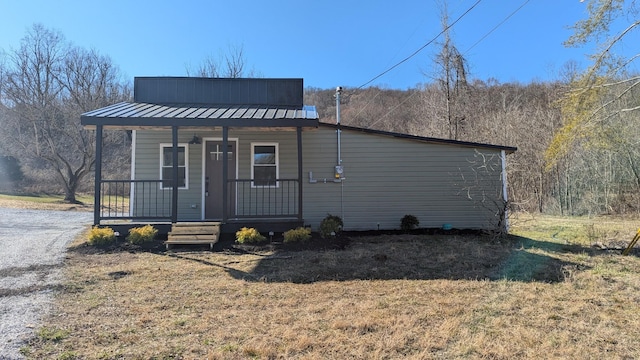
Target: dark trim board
(124, 123)
(508, 149)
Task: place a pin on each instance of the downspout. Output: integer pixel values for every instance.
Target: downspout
(503, 158)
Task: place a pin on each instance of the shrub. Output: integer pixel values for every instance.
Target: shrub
(143, 234)
(297, 235)
(330, 224)
(249, 236)
(101, 236)
(409, 222)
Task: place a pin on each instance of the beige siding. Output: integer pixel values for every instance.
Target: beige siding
(389, 177)
(267, 200)
(147, 164)
(386, 177)
(190, 200)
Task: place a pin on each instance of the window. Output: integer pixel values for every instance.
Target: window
(264, 164)
(166, 166)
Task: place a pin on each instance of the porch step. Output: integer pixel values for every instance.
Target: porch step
(193, 233)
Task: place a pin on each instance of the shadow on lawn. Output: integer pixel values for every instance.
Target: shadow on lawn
(413, 257)
(537, 260)
(385, 256)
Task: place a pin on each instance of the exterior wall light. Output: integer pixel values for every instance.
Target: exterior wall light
(194, 140)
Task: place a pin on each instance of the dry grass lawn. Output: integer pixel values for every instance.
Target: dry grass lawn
(47, 202)
(542, 292)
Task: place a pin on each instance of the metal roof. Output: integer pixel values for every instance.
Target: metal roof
(136, 114)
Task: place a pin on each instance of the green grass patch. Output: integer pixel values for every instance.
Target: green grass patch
(52, 334)
(43, 198)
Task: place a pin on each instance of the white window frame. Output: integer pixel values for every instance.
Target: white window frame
(253, 165)
(186, 165)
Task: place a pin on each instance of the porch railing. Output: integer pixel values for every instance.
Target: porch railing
(275, 199)
(145, 200)
(148, 202)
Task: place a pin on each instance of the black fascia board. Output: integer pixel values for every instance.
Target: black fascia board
(509, 149)
(123, 122)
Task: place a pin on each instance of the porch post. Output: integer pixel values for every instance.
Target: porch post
(98, 177)
(174, 177)
(299, 133)
(225, 173)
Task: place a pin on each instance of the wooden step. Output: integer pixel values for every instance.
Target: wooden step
(194, 238)
(195, 223)
(195, 230)
(193, 233)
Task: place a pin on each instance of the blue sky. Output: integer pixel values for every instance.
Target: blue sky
(328, 43)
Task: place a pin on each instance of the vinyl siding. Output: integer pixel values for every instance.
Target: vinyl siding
(269, 200)
(147, 164)
(387, 178)
(148, 168)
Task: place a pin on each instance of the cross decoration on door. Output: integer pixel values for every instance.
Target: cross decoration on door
(218, 153)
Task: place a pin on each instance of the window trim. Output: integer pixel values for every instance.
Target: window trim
(253, 164)
(186, 165)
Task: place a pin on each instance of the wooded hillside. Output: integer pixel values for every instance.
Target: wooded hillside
(592, 178)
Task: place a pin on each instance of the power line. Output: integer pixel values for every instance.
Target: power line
(427, 44)
(471, 47)
(420, 49)
(497, 26)
(394, 108)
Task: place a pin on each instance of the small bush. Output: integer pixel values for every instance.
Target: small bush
(141, 235)
(409, 222)
(249, 236)
(101, 236)
(297, 235)
(331, 224)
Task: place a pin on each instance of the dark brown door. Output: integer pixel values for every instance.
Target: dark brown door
(213, 179)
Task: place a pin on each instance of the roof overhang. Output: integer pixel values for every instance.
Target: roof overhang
(507, 149)
(132, 115)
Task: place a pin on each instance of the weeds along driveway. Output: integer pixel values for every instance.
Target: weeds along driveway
(32, 248)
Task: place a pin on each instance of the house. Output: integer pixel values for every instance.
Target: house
(248, 152)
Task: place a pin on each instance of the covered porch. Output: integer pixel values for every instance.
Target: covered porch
(227, 195)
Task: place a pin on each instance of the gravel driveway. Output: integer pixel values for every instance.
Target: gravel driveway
(32, 248)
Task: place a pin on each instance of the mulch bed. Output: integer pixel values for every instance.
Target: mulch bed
(227, 243)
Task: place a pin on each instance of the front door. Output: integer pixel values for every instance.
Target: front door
(213, 179)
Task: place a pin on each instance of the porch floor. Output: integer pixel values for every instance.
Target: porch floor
(193, 233)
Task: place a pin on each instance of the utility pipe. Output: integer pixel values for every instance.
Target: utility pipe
(338, 92)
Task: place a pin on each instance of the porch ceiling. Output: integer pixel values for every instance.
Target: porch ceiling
(133, 115)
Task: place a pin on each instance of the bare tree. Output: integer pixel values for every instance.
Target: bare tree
(452, 79)
(49, 84)
(230, 64)
(482, 184)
